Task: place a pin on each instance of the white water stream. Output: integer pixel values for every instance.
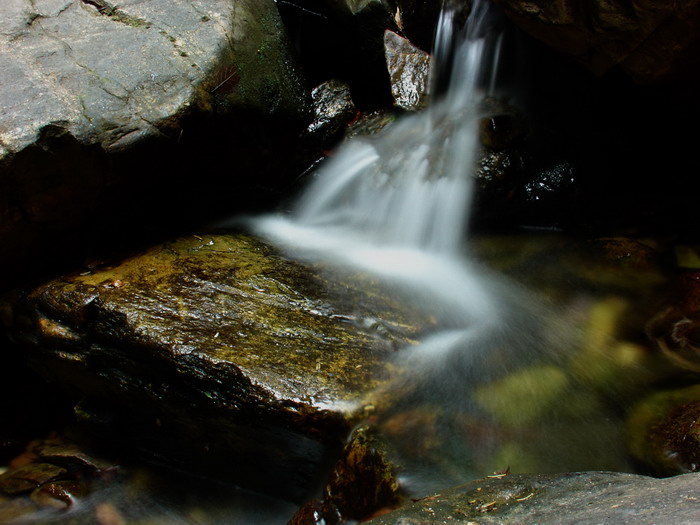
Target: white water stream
(398, 204)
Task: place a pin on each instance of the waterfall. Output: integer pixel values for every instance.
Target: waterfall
(411, 186)
(398, 204)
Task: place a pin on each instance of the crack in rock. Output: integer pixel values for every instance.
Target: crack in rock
(106, 9)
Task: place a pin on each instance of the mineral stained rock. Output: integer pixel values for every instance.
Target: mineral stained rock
(217, 354)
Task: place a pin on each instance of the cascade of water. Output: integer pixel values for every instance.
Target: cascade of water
(411, 186)
(397, 205)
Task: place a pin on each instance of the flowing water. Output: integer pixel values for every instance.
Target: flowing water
(397, 205)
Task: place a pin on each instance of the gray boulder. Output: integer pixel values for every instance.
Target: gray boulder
(102, 100)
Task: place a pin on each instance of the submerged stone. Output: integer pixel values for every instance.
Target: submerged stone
(217, 354)
(676, 326)
(663, 431)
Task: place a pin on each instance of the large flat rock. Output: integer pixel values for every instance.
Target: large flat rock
(217, 354)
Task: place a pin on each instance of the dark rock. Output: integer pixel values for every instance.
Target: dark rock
(417, 19)
(216, 354)
(676, 326)
(363, 480)
(409, 69)
(362, 483)
(586, 497)
(333, 109)
(663, 431)
(29, 477)
(651, 41)
(60, 494)
(343, 39)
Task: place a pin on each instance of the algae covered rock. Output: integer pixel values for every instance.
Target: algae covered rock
(663, 431)
(216, 353)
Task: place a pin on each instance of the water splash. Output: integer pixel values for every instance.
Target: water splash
(397, 205)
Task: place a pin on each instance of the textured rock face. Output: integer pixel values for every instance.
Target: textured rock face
(110, 75)
(409, 70)
(85, 84)
(587, 497)
(650, 40)
(216, 354)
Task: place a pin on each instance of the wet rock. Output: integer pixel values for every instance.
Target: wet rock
(105, 101)
(364, 479)
(409, 69)
(59, 494)
(549, 197)
(663, 432)
(333, 109)
(362, 483)
(29, 477)
(676, 327)
(217, 354)
(586, 497)
(343, 39)
(503, 126)
(650, 41)
(370, 123)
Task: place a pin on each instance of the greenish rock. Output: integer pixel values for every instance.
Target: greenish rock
(585, 497)
(218, 354)
(663, 433)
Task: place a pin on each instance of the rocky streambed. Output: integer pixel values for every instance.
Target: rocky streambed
(261, 389)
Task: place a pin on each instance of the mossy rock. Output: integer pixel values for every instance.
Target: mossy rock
(217, 353)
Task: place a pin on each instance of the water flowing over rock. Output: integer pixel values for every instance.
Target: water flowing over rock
(102, 104)
(216, 354)
(650, 40)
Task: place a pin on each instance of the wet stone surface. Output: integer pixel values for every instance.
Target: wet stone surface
(216, 353)
(409, 70)
(586, 497)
